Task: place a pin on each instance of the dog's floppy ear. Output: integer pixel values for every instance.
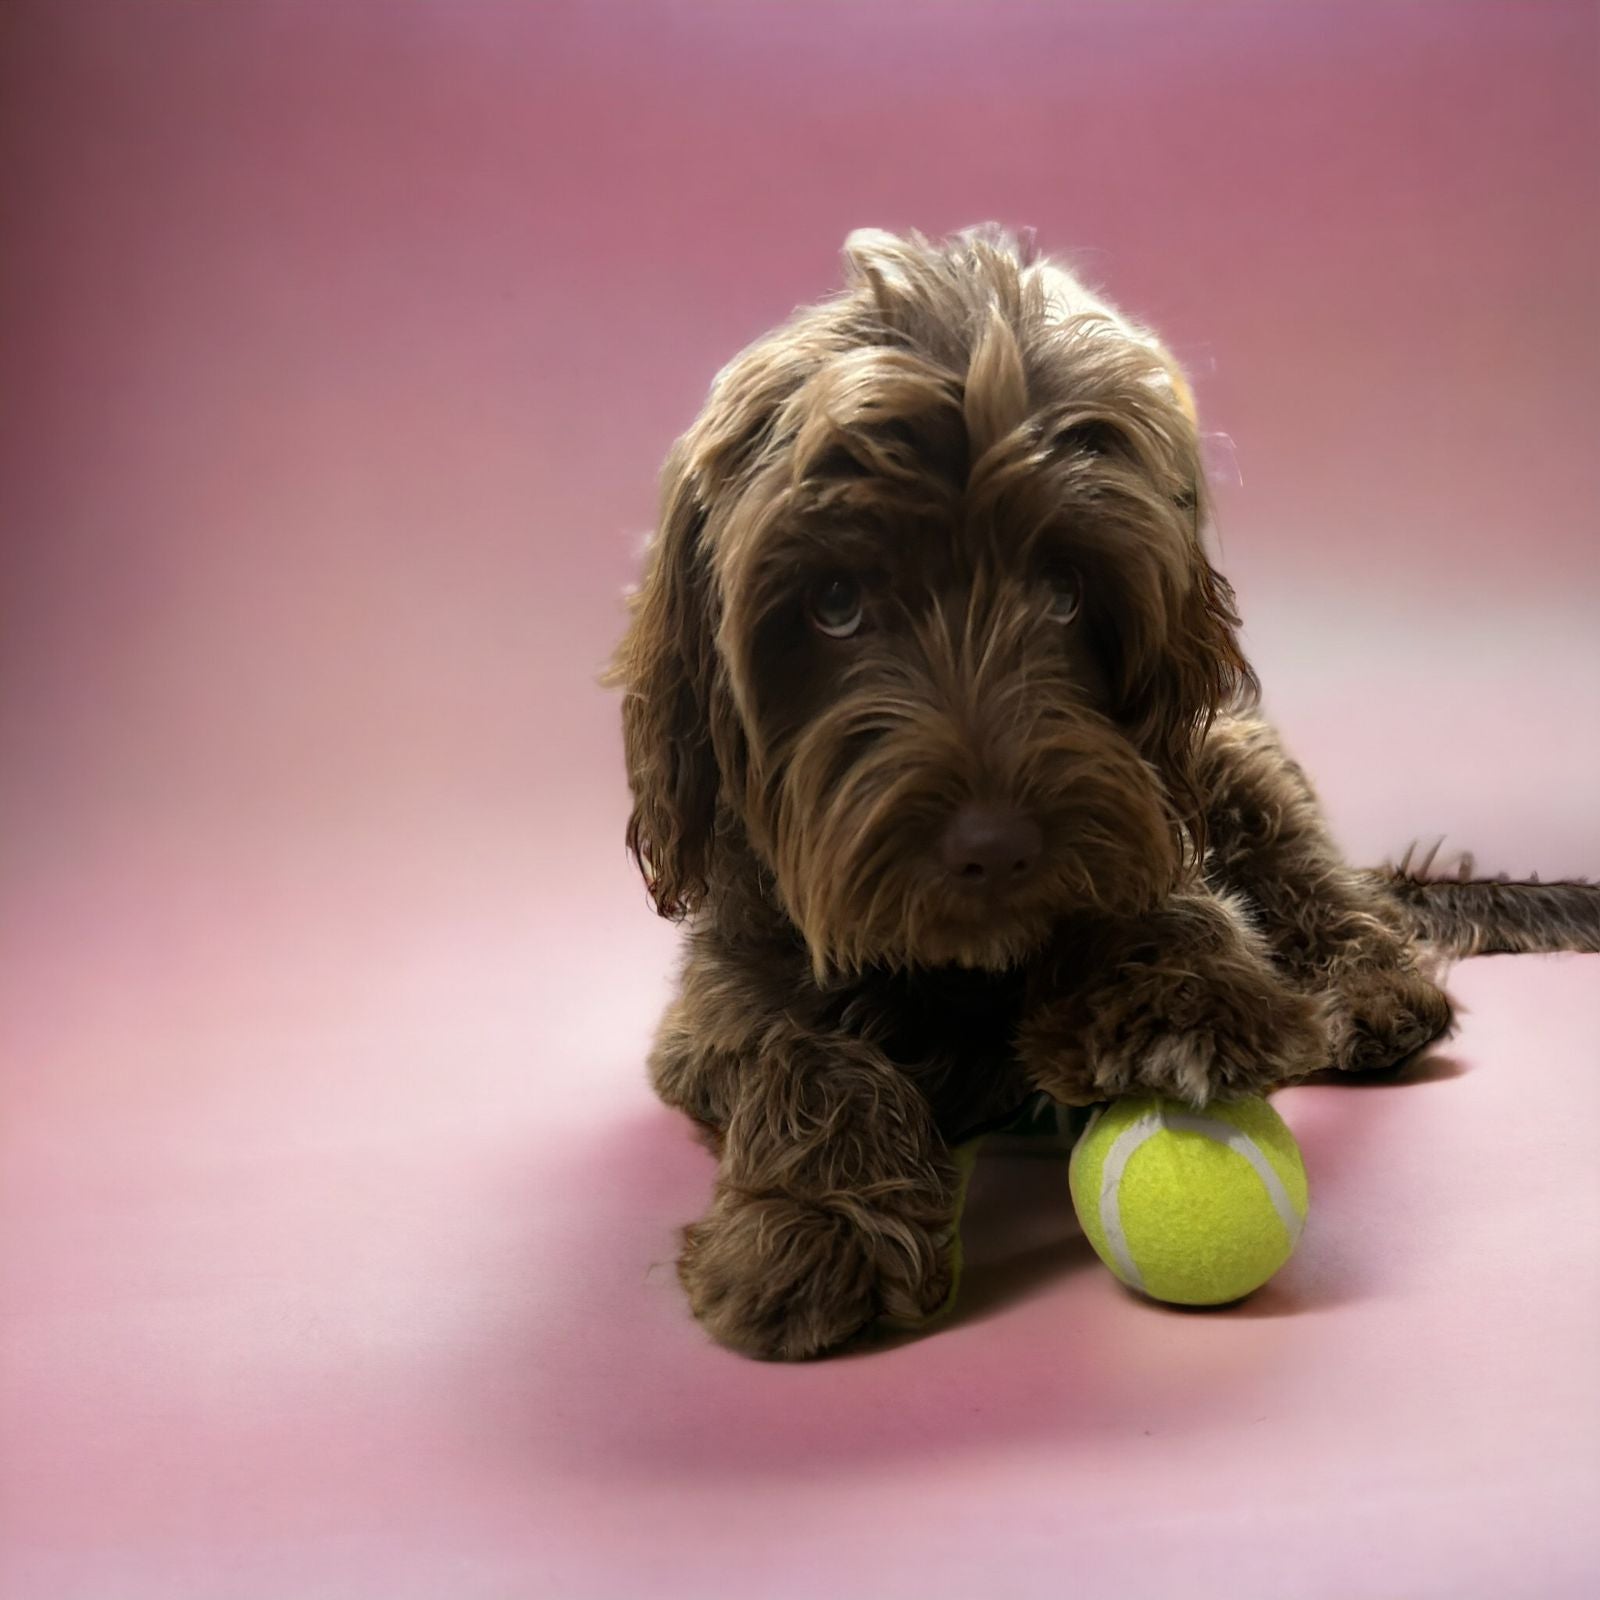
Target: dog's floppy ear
(1198, 667)
(1199, 671)
(666, 666)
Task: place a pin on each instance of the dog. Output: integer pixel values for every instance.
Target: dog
(940, 737)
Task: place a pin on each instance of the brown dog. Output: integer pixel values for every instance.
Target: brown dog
(939, 732)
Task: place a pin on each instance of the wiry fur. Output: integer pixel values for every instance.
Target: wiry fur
(1467, 916)
(954, 432)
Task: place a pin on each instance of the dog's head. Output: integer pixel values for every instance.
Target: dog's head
(928, 620)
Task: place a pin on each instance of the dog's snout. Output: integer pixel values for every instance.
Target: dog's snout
(990, 846)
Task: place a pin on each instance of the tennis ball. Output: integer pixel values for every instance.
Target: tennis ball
(1193, 1207)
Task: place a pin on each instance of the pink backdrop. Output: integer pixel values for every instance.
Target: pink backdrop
(341, 343)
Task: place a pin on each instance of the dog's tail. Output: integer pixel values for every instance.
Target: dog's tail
(1462, 915)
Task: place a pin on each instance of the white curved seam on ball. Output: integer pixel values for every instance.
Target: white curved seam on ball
(1117, 1158)
(1242, 1144)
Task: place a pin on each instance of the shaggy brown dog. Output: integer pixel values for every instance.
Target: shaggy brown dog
(939, 732)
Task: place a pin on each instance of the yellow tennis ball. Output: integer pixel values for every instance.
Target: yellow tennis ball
(1193, 1207)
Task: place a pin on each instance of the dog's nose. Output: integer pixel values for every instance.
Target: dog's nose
(990, 846)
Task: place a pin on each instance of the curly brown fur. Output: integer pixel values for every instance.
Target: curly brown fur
(1331, 930)
(939, 733)
(835, 1202)
(1184, 1001)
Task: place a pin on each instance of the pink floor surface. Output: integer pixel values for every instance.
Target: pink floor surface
(342, 344)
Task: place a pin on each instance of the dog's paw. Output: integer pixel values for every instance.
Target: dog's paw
(1194, 1041)
(1380, 1017)
(785, 1280)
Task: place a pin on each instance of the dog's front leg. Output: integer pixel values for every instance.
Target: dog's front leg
(835, 1201)
(1183, 1001)
(1331, 929)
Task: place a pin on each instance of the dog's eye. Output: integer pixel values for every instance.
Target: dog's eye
(836, 607)
(1066, 596)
